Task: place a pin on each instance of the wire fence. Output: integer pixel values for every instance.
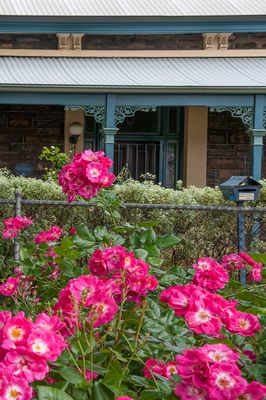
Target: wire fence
(204, 229)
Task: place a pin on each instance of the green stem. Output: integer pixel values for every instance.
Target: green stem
(74, 361)
(83, 359)
(141, 361)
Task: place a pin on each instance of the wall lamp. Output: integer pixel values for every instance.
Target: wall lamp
(75, 131)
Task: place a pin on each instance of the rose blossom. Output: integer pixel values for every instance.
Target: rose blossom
(9, 287)
(124, 398)
(23, 364)
(45, 344)
(242, 323)
(16, 331)
(187, 391)
(217, 353)
(193, 366)
(225, 381)
(233, 262)
(202, 317)
(86, 175)
(254, 391)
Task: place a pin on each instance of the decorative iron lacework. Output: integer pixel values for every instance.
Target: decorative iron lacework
(122, 112)
(97, 112)
(244, 113)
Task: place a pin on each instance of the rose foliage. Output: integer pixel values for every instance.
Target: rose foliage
(92, 314)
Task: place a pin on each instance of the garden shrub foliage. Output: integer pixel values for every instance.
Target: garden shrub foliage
(89, 313)
(201, 233)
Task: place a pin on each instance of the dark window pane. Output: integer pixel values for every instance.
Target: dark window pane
(173, 120)
(142, 122)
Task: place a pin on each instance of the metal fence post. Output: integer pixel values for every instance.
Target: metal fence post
(241, 239)
(18, 199)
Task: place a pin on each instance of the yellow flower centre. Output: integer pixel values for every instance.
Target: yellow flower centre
(244, 324)
(16, 333)
(224, 381)
(13, 393)
(203, 316)
(39, 347)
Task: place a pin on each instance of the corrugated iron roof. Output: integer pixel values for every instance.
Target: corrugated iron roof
(125, 8)
(142, 73)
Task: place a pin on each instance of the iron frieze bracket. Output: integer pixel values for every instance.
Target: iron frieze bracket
(123, 112)
(97, 112)
(243, 113)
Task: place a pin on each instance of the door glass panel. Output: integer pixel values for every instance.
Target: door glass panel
(171, 164)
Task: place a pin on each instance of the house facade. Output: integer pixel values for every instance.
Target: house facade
(176, 89)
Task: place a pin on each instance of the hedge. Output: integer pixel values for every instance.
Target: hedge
(200, 232)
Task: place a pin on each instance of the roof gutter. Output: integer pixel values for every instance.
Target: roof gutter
(131, 89)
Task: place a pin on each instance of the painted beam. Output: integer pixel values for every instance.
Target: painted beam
(116, 27)
(164, 99)
(40, 98)
(184, 100)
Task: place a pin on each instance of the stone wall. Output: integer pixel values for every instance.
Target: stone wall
(142, 42)
(228, 148)
(25, 130)
(27, 41)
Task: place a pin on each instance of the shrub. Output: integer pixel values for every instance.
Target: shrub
(200, 232)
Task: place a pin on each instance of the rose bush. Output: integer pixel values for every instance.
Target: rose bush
(91, 314)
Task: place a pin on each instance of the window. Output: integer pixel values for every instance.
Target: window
(149, 142)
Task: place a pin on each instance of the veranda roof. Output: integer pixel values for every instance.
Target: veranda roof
(133, 74)
(126, 8)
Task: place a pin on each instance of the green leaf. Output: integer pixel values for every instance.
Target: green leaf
(258, 257)
(66, 243)
(115, 375)
(155, 261)
(148, 236)
(84, 243)
(50, 393)
(256, 310)
(167, 241)
(147, 224)
(82, 344)
(141, 253)
(118, 240)
(168, 279)
(96, 368)
(152, 395)
(71, 375)
(153, 250)
(101, 232)
(252, 298)
(118, 355)
(72, 254)
(153, 326)
(101, 392)
(154, 310)
(85, 233)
